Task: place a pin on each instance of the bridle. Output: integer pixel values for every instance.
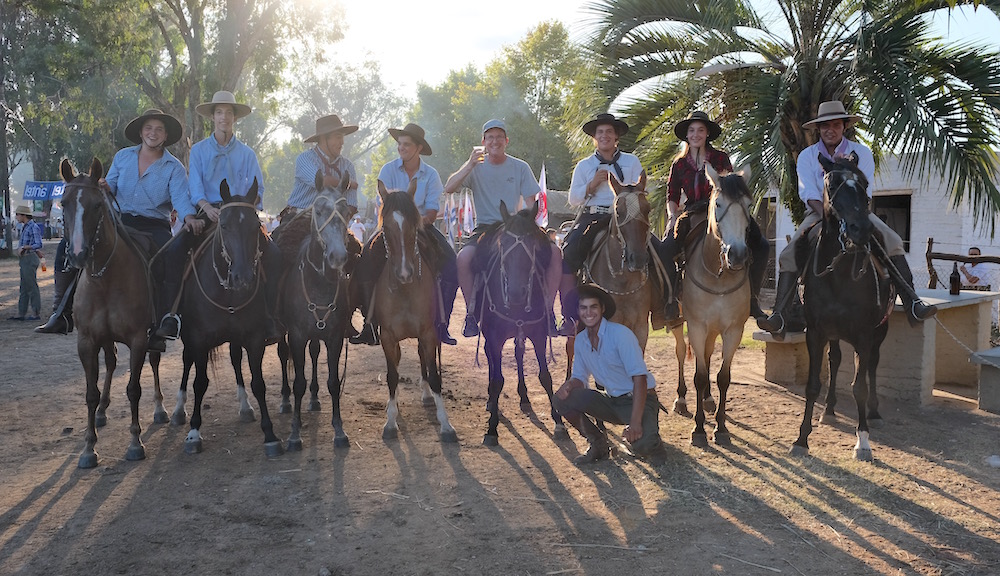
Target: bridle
(714, 219)
(389, 247)
(317, 235)
(219, 240)
(847, 246)
(633, 212)
(96, 240)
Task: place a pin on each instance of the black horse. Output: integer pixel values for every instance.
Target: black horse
(513, 260)
(224, 302)
(847, 297)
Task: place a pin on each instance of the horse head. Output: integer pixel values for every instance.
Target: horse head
(524, 253)
(85, 206)
(845, 200)
(239, 232)
(630, 225)
(399, 220)
(330, 212)
(729, 216)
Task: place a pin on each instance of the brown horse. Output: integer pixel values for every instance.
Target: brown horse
(717, 293)
(113, 302)
(405, 304)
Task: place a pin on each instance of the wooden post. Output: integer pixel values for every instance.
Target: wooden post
(932, 273)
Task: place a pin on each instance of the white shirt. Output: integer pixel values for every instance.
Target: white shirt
(358, 229)
(811, 172)
(616, 360)
(605, 195)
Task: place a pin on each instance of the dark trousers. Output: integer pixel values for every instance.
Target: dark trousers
(584, 402)
(580, 239)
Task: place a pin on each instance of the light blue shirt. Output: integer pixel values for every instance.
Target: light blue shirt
(429, 186)
(811, 171)
(616, 360)
(210, 164)
(605, 195)
(164, 185)
(306, 165)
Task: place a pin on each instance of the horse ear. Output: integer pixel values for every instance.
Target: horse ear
(412, 188)
(504, 211)
(96, 169)
(252, 194)
(853, 158)
(615, 184)
(534, 210)
(224, 191)
(713, 175)
(745, 173)
(66, 169)
(345, 183)
(382, 191)
(827, 165)
(319, 181)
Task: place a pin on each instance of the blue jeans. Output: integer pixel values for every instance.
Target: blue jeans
(30, 294)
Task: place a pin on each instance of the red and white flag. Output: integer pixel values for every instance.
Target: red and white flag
(543, 202)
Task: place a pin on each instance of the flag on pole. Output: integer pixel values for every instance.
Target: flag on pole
(468, 215)
(542, 219)
(449, 217)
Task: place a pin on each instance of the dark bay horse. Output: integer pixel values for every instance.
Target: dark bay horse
(717, 293)
(511, 304)
(224, 302)
(405, 303)
(313, 300)
(847, 297)
(113, 302)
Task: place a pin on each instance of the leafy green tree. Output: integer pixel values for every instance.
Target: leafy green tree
(934, 104)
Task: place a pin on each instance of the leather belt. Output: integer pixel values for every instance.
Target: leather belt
(597, 209)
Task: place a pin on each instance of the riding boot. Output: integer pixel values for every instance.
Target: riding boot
(775, 323)
(449, 290)
(471, 328)
(917, 311)
(599, 447)
(61, 320)
(757, 272)
(369, 333)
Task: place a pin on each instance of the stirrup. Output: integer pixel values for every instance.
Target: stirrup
(175, 317)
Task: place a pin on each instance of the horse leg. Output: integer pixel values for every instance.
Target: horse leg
(88, 353)
(159, 412)
(874, 418)
(314, 405)
(816, 343)
(255, 356)
(702, 352)
(545, 378)
(427, 347)
(730, 343)
(334, 346)
(829, 416)
(522, 386)
(137, 358)
(570, 342)
(286, 391)
(862, 450)
(193, 442)
(179, 416)
(680, 351)
(246, 410)
(110, 363)
(390, 346)
(298, 351)
(491, 438)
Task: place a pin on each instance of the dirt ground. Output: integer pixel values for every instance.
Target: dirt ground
(929, 504)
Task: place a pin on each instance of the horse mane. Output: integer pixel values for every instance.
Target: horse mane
(523, 224)
(398, 201)
(292, 234)
(733, 187)
(851, 166)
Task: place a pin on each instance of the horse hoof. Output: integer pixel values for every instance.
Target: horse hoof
(193, 446)
(681, 408)
(560, 433)
(341, 442)
(450, 437)
(273, 449)
(315, 406)
(709, 406)
(490, 440)
(285, 408)
(248, 416)
(160, 417)
(828, 418)
(87, 460)
(723, 439)
(100, 421)
(863, 454)
(699, 439)
(390, 433)
(294, 445)
(135, 453)
(799, 450)
(178, 419)
(876, 423)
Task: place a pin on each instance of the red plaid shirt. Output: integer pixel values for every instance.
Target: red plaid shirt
(694, 183)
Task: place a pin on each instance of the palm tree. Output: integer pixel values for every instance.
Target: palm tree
(935, 105)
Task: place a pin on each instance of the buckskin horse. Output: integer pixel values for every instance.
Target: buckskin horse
(224, 302)
(113, 302)
(405, 303)
(846, 296)
(511, 304)
(717, 293)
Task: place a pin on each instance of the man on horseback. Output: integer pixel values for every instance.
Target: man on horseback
(611, 354)
(831, 122)
(591, 190)
(326, 158)
(219, 157)
(147, 182)
(396, 175)
(495, 176)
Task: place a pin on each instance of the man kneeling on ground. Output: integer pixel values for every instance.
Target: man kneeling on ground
(610, 353)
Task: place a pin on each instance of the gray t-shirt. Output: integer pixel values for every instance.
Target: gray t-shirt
(491, 183)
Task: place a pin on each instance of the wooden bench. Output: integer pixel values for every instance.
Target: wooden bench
(989, 379)
(786, 362)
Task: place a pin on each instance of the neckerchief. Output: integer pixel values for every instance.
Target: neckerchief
(614, 163)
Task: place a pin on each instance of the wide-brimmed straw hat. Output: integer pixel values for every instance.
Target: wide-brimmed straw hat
(416, 133)
(595, 291)
(681, 129)
(329, 125)
(590, 127)
(206, 109)
(831, 110)
(24, 210)
(174, 130)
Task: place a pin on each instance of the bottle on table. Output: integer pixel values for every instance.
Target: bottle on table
(955, 281)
